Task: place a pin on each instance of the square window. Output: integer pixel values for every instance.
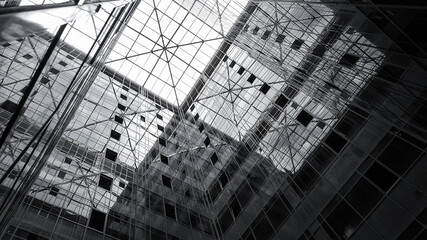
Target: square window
(159, 116)
(321, 124)
(214, 158)
(296, 45)
(54, 70)
(105, 182)
(62, 63)
(196, 117)
(382, 177)
(115, 135)
(97, 219)
(125, 88)
(143, 118)
(251, 78)
(110, 154)
(290, 92)
(54, 191)
(44, 80)
(123, 97)
(161, 128)
(266, 35)
(255, 30)
(319, 50)
(9, 106)
(158, 107)
(68, 160)
(192, 108)
(162, 141)
(122, 184)
(121, 107)
(170, 210)
(232, 64)
(27, 56)
(281, 101)
(201, 127)
(304, 118)
(241, 70)
(164, 159)
(207, 141)
(166, 181)
(118, 119)
(13, 174)
(348, 60)
(61, 174)
(335, 141)
(280, 38)
(70, 57)
(6, 45)
(23, 89)
(264, 88)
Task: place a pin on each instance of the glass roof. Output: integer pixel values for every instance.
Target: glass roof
(167, 44)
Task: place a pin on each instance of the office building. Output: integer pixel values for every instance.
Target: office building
(213, 120)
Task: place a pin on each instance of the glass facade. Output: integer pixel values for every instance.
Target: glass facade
(213, 119)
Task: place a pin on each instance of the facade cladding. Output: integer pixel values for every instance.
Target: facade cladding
(213, 120)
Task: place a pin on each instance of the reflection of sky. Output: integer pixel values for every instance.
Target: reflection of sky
(166, 46)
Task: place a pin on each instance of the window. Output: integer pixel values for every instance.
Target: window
(232, 64)
(97, 219)
(281, 101)
(266, 35)
(159, 116)
(68, 160)
(196, 117)
(192, 106)
(342, 221)
(383, 178)
(280, 38)
(13, 174)
(123, 97)
(207, 141)
(245, 29)
(251, 78)
(158, 107)
(290, 92)
(348, 60)
(264, 88)
(255, 30)
(296, 45)
(70, 57)
(263, 229)
(164, 159)
(161, 128)
(166, 181)
(118, 119)
(44, 80)
(54, 70)
(115, 135)
(214, 158)
(170, 211)
(105, 182)
(54, 191)
(364, 197)
(224, 59)
(64, 64)
(304, 118)
(121, 107)
(125, 88)
(110, 154)
(201, 127)
(321, 124)
(335, 141)
(241, 70)
(122, 184)
(61, 174)
(9, 106)
(235, 208)
(162, 141)
(142, 118)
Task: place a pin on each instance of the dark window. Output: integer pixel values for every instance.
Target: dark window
(207, 141)
(214, 158)
(232, 64)
(105, 182)
(342, 221)
(304, 118)
(264, 88)
(319, 51)
(115, 135)
(335, 141)
(290, 92)
(118, 119)
(162, 141)
(223, 180)
(121, 184)
(13, 174)
(125, 88)
(296, 45)
(182, 215)
(281, 101)
(44, 80)
(412, 231)
(97, 220)
(110, 154)
(280, 38)
(321, 124)
(166, 181)
(64, 64)
(68, 160)
(363, 197)
(225, 58)
(306, 177)
(235, 207)
(123, 97)
(121, 107)
(263, 229)
(164, 159)
(277, 213)
(255, 30)
(266, 35)
(159, 116)
(348, 60)
(241, 70)
(23, 89)
(192, 108)
(251, 78)
(143, 118)
(54, 191)
(61, 174)
(225, 219)
(170, 210)
(70, 57)
(201, 127)
(161, 128)
(27, 56)
(9, 106)
(383, 178)
(196, 117)
(54, 70)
